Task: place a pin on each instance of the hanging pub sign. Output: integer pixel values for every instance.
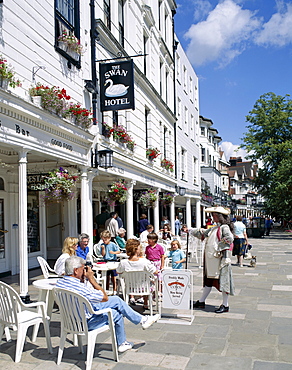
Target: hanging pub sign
(116, 85)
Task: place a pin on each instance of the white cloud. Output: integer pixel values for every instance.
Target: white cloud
(223, 35)
(277, 31)
(202, 8)
(232, 150)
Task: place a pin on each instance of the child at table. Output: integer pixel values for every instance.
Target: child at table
(177, 255)
(155, 252)
(109, 251)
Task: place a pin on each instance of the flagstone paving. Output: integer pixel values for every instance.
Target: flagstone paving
(255, 334)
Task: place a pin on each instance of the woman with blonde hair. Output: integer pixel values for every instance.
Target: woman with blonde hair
(69, 249)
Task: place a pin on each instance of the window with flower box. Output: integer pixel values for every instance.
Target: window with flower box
(67, 31)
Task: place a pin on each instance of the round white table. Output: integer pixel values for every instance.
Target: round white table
(103, 268)
(46, 294)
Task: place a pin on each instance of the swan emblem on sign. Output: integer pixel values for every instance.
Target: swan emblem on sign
(115, 90)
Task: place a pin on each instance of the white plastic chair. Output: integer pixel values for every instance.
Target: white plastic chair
(97, 253)
(193, 247)
(99, 278)
(73, 320)
(138, 283)
(16, 315)
(47, 271)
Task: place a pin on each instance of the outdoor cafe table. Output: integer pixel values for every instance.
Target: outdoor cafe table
(105, 266)
(46, 293)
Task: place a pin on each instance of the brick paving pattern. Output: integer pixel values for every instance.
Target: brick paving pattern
(255, 334)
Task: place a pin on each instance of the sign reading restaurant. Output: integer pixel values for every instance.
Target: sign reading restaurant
(116, 85)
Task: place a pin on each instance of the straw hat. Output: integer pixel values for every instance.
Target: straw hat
(224, 211)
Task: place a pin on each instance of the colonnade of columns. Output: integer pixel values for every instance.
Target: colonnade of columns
(86, 215)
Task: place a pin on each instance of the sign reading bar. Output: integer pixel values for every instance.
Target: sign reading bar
(117, 85)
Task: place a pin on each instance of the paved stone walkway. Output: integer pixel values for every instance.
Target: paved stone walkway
(256, 334)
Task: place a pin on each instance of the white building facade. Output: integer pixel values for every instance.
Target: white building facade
(35, 141)
(210, 157)
(187, 143)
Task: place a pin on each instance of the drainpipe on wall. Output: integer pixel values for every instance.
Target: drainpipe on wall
(93, 37)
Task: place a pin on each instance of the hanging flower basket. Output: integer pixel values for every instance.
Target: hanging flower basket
(168, 165)
(117, 192)
(148, 199)
(59, 186)
(152, 153)
(167, 199)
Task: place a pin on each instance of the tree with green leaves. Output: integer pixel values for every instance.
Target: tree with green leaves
(269, 140)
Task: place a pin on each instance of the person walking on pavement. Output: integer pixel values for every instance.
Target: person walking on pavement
(217, 263)
(240, 240)
(112, 225)
(268, 225)
(142, 223)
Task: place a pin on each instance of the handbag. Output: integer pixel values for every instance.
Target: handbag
(248, 255)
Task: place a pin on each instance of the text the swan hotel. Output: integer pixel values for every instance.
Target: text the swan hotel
(116, 86)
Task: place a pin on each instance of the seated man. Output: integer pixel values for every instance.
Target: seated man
(75, 274)
(82, 248)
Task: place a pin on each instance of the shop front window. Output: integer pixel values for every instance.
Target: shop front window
(33, 230)
(2, 233)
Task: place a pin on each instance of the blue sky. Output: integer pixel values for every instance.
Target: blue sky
(240, 49)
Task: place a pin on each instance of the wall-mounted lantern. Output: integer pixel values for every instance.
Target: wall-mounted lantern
(103, 158)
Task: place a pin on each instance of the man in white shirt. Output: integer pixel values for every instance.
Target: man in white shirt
(143, 235)
(112, 225)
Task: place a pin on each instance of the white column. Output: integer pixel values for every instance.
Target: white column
(86, 205)
(22, 225)
(198, 213)
(172, 216)
(156, 213)
(188, 212)
(90, 212)
(129, 209)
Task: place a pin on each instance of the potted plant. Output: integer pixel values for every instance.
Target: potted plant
(58, 186)
(167, 164)
(148, 198)
(52, 98)
(152, 153)
(80, 116)
(106, 130)
(7, 75)
(117, 192)
(70, 44)
(167, 198)
(130, 144)
(120, 134)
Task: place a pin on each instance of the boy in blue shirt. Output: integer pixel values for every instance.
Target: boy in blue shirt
(109, 251)
(177, 255)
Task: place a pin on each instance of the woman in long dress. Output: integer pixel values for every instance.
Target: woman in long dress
(217, 262)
